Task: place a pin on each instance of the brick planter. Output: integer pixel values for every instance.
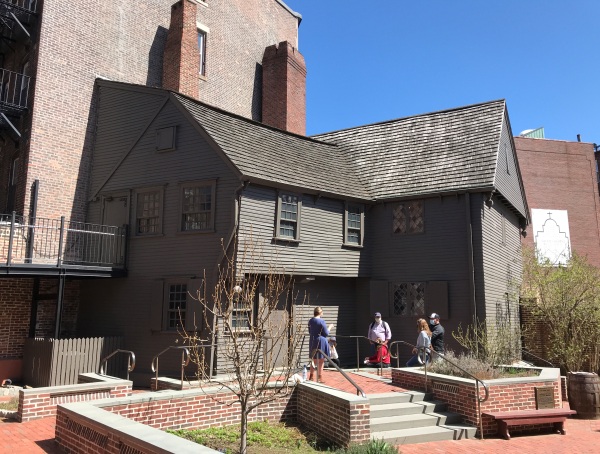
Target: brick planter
(504, 394)
(99, 426)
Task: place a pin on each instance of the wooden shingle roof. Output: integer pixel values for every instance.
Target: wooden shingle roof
(448, 151)
(263, 153)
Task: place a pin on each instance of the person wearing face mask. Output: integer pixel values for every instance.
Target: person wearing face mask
(379, 332)
(437, 333)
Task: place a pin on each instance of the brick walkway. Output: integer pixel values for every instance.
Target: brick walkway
(583, 436)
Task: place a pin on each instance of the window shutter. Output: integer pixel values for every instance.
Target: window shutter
(436, 298)
(156, 299)
(194, 312)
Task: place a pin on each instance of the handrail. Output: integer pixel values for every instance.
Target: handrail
(130, 361)
(357, 345)
(524, 350)
(359, 391)
(477, 380)
(185, 360)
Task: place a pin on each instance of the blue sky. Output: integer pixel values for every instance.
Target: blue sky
(375, 60)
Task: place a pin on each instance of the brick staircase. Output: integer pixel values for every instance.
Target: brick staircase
(410, 417)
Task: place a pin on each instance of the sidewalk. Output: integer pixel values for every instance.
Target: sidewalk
(583, 436)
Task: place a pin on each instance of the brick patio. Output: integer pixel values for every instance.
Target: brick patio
(583, 436)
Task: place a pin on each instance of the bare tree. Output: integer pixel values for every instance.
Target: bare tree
(249, 317)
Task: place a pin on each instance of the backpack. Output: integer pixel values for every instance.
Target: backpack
(385, 327)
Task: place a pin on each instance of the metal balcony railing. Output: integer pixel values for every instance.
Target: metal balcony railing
(28, 6)
(14, 90)
(53, 242)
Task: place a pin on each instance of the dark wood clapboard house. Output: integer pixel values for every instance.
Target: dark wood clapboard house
(404, 217)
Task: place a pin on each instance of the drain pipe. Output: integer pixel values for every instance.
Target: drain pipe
(470, 257)
(234, 231)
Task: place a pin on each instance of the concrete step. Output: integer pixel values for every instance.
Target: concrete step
(415, 420)
(406, 408)
(396, 398)
(425, 434)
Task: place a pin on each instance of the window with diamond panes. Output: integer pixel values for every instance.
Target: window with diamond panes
(288, 216)
(408, 217)
(409, 299)
(176, 306)
(148, 213)
(354, 225)
(197, 208)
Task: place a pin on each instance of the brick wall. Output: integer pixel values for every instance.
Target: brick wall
(181, 65)
(341, 417)
(561, 175)
(15, 304)
(126, 44)
(15, 311)
(341, 420)
(39, 403)
(284, 88)
(504, 395)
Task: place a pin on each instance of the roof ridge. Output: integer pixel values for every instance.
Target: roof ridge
(469, 106)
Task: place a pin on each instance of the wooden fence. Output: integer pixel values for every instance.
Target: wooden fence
(55, 362)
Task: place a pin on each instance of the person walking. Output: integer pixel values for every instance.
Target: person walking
(318, 332)
(423, 341)
(437, 334)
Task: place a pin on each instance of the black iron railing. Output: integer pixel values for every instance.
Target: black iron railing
(14, 89)
(28, 6)
(59, 242)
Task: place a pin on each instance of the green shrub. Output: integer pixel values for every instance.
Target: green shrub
(370, 447)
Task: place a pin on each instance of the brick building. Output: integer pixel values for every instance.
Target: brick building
(52, 53)
(560, 182)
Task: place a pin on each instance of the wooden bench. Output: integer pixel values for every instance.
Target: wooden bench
(525, 417)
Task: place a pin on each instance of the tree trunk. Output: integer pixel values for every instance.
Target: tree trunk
(243, 429)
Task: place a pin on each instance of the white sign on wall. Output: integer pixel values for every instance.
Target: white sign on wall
(551, 235)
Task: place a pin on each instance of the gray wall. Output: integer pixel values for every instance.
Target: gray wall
(129, 306)
(438, 254)
(508, 180)
(502, 268)
(319, 252)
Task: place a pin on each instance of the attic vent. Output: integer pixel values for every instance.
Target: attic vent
(165, 139)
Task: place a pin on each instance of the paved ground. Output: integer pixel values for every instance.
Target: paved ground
(583, 436)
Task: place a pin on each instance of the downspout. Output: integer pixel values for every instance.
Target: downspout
(234, 231)
(470, 257)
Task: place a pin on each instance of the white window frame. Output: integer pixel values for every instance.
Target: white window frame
(140, 192)
(280, 196)
(213, 192)
(246, 311)
(348, 228)
(180, 313)
(202, 31)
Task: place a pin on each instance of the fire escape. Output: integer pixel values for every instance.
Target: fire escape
(17, 18)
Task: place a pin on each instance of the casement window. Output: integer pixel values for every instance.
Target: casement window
(241, 312)
(408, 217)
(354, 224)
(202, 35)
(176, 306)
(288, 216)
(198, 206)
(408, 299)
(148, 211)
(418, 299)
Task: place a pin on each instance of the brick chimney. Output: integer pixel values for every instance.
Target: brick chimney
(181, 58)
(284, 88)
